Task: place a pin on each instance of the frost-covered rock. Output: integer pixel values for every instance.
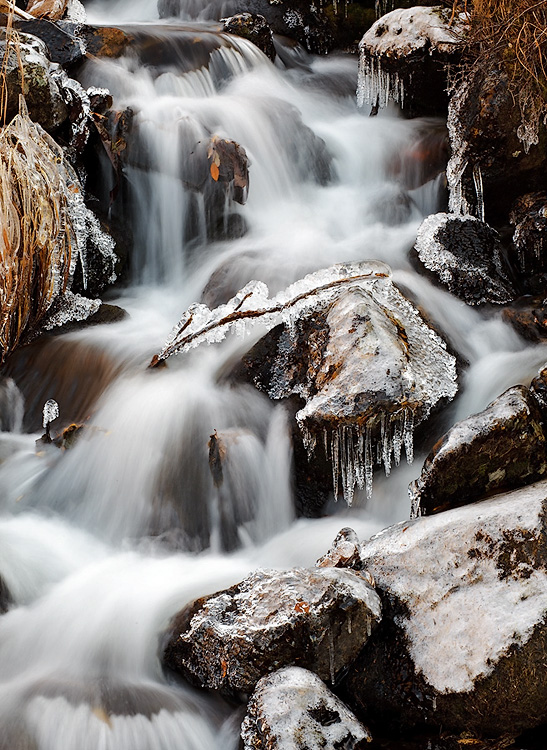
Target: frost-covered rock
(292, 709)
(465, 255)
(463, 639)
(43, 94)
(498, 449)
(317, 619)
(403, 57)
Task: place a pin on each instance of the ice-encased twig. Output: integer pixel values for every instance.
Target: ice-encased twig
(251, 304)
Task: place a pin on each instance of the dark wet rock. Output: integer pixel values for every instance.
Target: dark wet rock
(62, 41)
(292, 709)
(403, 56)
(538, 389)
(498, 449)
(254, 28)
(529, 218)
(6, 599)
(464, 255)
(317, 619)
(344, 553)
(483, 122)
(105, 41)
(43, 94)
(528, 316)
(463, 637)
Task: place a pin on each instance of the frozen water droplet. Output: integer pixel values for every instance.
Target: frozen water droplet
(50, 413)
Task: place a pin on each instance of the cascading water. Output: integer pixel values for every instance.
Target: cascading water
(91, 539)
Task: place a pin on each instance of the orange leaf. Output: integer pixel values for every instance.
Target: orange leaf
(215, 172)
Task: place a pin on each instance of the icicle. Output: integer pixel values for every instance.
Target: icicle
(397, 439)
(376, 85)
(360, 460)
(386, 443)
(408, 435)
(335, 459)
(331, 656)
(369, 468)
(477, 180)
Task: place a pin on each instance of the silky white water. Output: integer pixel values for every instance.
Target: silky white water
(102, 544)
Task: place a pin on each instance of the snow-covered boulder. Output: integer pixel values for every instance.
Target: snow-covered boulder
(463, 640)
(292, 709)
(464, 255)
(500, 448)
(316, 619)
(403, 57)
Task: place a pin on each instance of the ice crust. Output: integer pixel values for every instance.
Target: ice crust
(463, 615)
(284, 703)
(395, 36)
(50, 412)
(69, 308)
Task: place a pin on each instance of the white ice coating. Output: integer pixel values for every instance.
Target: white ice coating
(50, 412)
(399, 34)
(463, 614)
(69, 308)
(252, 305)
(284, 702)
(434, 254)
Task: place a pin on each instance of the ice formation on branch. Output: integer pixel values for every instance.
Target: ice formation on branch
(252, 305)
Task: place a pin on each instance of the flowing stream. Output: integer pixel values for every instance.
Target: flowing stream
(101, 544)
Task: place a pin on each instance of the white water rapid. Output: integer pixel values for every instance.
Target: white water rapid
(101, 544)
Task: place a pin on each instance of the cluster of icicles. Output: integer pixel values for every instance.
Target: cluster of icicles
(355, 449)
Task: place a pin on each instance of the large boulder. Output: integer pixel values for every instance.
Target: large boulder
(369, 368)
(316, 619)
(403, 56)
(465, 255)
(463, 640)
(498, 449)
(292, 709)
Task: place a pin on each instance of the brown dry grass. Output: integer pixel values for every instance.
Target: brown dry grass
(35, 233)
(511, 35)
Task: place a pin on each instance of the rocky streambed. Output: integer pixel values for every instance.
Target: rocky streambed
(432, 632)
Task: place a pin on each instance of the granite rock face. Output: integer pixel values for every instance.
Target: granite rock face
(315, 619)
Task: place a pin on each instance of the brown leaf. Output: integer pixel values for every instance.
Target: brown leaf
(215, 172)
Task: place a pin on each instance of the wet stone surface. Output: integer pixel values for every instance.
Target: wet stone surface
(498, 449)
(316, 619)
(292, 709)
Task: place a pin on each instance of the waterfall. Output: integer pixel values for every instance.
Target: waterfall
(101, 544)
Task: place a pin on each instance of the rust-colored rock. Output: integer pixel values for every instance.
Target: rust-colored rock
(53, 10)
(316, 619)
(105, 41)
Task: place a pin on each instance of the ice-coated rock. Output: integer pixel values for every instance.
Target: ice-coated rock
(292, 709)
(53, 10)
(318, 619)
(345, 552)
(500, 448)
(465, 255)
(43, 95)
(463, 638)
(403, 57)
(352, 347)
